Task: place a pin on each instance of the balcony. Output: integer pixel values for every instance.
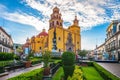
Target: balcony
(5, 44)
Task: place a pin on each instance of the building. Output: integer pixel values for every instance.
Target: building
(113, 40)
(99, 52)
(57, 39)
(26, 47)
(37, 43)
(6, 42)
(62, 39)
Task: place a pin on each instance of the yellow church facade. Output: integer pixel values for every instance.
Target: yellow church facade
(58, 38)
(62, 33)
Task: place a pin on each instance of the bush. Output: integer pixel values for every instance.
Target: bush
(36, 74)
(57, 58)
(68, 58)
(68, 61)
(68, 71)
(5, 63)
(6, 56)
(90, 63)
(1, 69)
(77, 75)
(104, 73)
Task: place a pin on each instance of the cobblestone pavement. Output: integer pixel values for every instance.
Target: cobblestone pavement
(19, 71)
(114, 68)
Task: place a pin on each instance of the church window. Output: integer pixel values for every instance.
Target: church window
(60, 24)
(40, 48)
(57, 23)
(50, 24)
(53, 23)
(59, 50)
(59, 38)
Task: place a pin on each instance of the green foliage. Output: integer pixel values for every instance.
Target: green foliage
(68, 71)
(68, 60)
(16, 57)
(6, 56)
(82, 53)
(58, 58)
(58, 74)
(46, 57)
(90, 63)
(104, 73)
(36, 74)
(90, 73)
(1, 69)
(5, 63)
(19, 49)
(77, 74)
(35, 60)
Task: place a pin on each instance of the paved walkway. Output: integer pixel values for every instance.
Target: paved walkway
(19, 71)
(114, 68)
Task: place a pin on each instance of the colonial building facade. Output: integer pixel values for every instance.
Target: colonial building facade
(6, 43)
(58, 38)
(112, 41)
(100, 52)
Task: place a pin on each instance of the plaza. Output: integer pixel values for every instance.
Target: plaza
(59, 40)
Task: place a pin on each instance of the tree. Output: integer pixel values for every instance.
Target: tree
(46, 57)
(68, 61)
(82, 53)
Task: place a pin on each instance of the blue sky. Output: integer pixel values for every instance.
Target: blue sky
(26, 18)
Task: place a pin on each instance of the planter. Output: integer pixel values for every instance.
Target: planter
(28, 64)
(46, 71)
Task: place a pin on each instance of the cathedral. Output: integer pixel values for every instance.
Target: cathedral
(58, 38)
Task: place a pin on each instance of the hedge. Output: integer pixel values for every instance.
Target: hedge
(36, 74)
(104, 73)
(6, 56)
(5, 63)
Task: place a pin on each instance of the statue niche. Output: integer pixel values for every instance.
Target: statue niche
(69, 44)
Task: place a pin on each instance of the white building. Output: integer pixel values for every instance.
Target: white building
(6, 43)
(113, 40)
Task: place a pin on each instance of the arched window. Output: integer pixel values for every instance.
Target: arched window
(59, 50)
(53, 23)
(57, 23)
(59, 38)
(50, 24)
(60, 24)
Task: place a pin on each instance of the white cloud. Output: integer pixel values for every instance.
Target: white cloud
(92, 11)
(24, 18)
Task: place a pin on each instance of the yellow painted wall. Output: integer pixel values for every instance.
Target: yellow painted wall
(39, 42)
(63, 34)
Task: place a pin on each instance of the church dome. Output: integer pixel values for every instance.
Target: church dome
(43, 33)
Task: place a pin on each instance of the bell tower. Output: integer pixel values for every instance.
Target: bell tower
(76, 21)
(55, 20)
